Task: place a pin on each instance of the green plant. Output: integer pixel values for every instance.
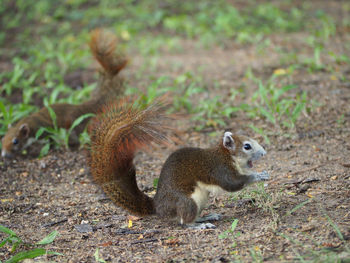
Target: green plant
(14, 241)
(275, 104)
(325, 27)
(97, 256)
(59, 136)
(321, 253)
(315, 63)
(298, 206)
(231, 233)
(256, 254)
(262, 199)
(12, 113)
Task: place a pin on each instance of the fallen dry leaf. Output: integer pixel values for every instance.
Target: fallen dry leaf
(172, 242)
(107, 244)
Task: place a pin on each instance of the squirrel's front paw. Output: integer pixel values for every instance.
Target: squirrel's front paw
(263, 176)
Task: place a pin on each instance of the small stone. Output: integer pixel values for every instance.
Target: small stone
(83, 228)
(42, 165)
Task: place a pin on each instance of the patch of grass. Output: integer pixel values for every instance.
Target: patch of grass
(207, 21)
(262, 199)
(276, 104)
(148, 27)
(59, 136)
(322, 254)
(14, 242)
(256, 254)
(230, 232)
(314, 63)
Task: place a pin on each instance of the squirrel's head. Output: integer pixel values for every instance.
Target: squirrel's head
(14, 140)
(243, 150)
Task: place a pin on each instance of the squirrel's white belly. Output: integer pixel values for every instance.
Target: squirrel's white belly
(201, 194)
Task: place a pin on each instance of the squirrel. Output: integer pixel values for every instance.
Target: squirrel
(109, 86)
(187, 176)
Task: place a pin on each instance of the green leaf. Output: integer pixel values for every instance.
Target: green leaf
(44, 150)
(79, 120)
(48, 239)
(224, 235)
(267, 115)
(281, 91)
(296, 112)
(155, 182)
(40, 132)
(299, 206)
(27, 254)
(97, 256)
(3, 110)
(336, 228)
(52, 115)
(7, 231)
(4, 241)
(234, 225)
(261, 132)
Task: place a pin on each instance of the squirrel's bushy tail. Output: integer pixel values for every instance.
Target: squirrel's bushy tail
(116, 135)
(103, 46)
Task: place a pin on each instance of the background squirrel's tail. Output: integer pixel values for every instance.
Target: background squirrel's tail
(103, 46)
(117, 134)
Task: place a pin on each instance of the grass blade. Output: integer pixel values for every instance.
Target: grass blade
(298, 206)
(79, 120)
(48, 239)
(7, 231)
(27, 254)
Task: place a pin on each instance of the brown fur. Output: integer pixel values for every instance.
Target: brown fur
(116, 135)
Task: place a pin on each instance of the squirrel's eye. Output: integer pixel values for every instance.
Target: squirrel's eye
(247, 146)
(15, 141)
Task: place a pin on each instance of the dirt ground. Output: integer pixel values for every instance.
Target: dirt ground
(57, 191)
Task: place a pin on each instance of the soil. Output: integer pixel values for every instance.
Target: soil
(300, 210)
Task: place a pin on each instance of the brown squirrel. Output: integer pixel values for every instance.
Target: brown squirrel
(188, 175)
(110, 85)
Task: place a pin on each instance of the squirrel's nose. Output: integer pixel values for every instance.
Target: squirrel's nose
(262, 152)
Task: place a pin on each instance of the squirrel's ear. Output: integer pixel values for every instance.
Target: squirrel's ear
(228, 141)
(24, 130)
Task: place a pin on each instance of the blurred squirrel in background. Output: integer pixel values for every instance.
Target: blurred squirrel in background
(103, 46)
(187, 176)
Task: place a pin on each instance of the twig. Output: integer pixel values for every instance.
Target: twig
(55, 223)
(308, 169)
(146, 240)
(314, 167)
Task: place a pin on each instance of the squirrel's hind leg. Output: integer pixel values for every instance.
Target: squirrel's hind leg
(186, 210)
